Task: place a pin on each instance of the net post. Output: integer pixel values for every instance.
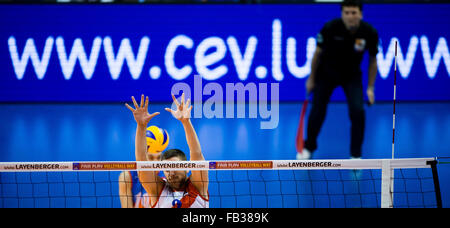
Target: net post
(437, 189)
(386, 185)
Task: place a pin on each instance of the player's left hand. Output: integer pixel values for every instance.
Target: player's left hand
(371, 94)
(183, 111)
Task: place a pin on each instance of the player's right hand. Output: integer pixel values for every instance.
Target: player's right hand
(141, 114)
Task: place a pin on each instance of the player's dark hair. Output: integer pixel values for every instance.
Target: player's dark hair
(173, 153)
(355, 3)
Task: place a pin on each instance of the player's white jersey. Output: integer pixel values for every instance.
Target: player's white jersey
(188, 198)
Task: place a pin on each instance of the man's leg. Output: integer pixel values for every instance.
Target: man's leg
(355, 100)
(321, 96)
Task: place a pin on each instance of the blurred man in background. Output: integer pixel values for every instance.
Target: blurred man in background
(341, 45)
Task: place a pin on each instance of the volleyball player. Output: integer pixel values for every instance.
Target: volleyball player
(177, 189)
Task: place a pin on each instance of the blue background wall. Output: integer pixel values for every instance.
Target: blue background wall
(205, 30)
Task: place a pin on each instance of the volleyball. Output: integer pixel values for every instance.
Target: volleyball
(157, 139)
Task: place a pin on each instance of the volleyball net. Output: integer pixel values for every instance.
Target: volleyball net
(364, 183)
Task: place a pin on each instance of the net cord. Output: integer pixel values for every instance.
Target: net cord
(214, 165)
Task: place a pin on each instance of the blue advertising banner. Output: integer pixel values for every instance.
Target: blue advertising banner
(107, 53)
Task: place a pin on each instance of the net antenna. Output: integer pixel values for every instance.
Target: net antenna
(395, 91)
(387, 171)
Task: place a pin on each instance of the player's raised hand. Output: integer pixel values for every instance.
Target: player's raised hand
(183, 111)
(140, 112)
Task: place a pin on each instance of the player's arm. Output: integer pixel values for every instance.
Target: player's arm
(183, 113)
(314, 64)
(125, 193)
(149, 180)
(372, 48)
(373, 68)
(321, 43)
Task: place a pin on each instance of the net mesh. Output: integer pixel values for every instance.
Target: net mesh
(292, 184)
